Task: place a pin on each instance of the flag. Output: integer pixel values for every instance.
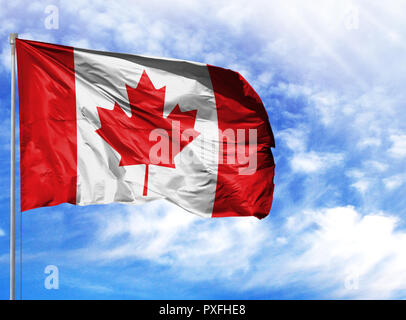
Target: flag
(102, 127)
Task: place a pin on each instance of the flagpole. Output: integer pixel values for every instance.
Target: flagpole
(13, 36)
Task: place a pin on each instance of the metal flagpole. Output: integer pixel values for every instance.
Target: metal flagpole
(13, 37)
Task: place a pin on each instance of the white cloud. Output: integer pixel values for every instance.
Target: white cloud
(365, 176)
(369, 142)
(313, 162)
(398, 148)
(361, 185)
(168, 235)
(294, 138)
(320, 248)
(329, 246)
(2, 233)
(394, 182)
(376, 165)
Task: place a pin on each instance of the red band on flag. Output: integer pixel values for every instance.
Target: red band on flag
(47, 103)
(240, 108)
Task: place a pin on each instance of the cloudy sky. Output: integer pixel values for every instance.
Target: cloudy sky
(331, 75)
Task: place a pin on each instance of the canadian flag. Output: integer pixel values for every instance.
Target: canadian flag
(100, 127)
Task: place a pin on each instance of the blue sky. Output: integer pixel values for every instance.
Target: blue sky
(331, 75)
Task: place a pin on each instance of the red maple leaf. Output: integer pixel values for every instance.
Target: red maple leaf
(130, 136)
